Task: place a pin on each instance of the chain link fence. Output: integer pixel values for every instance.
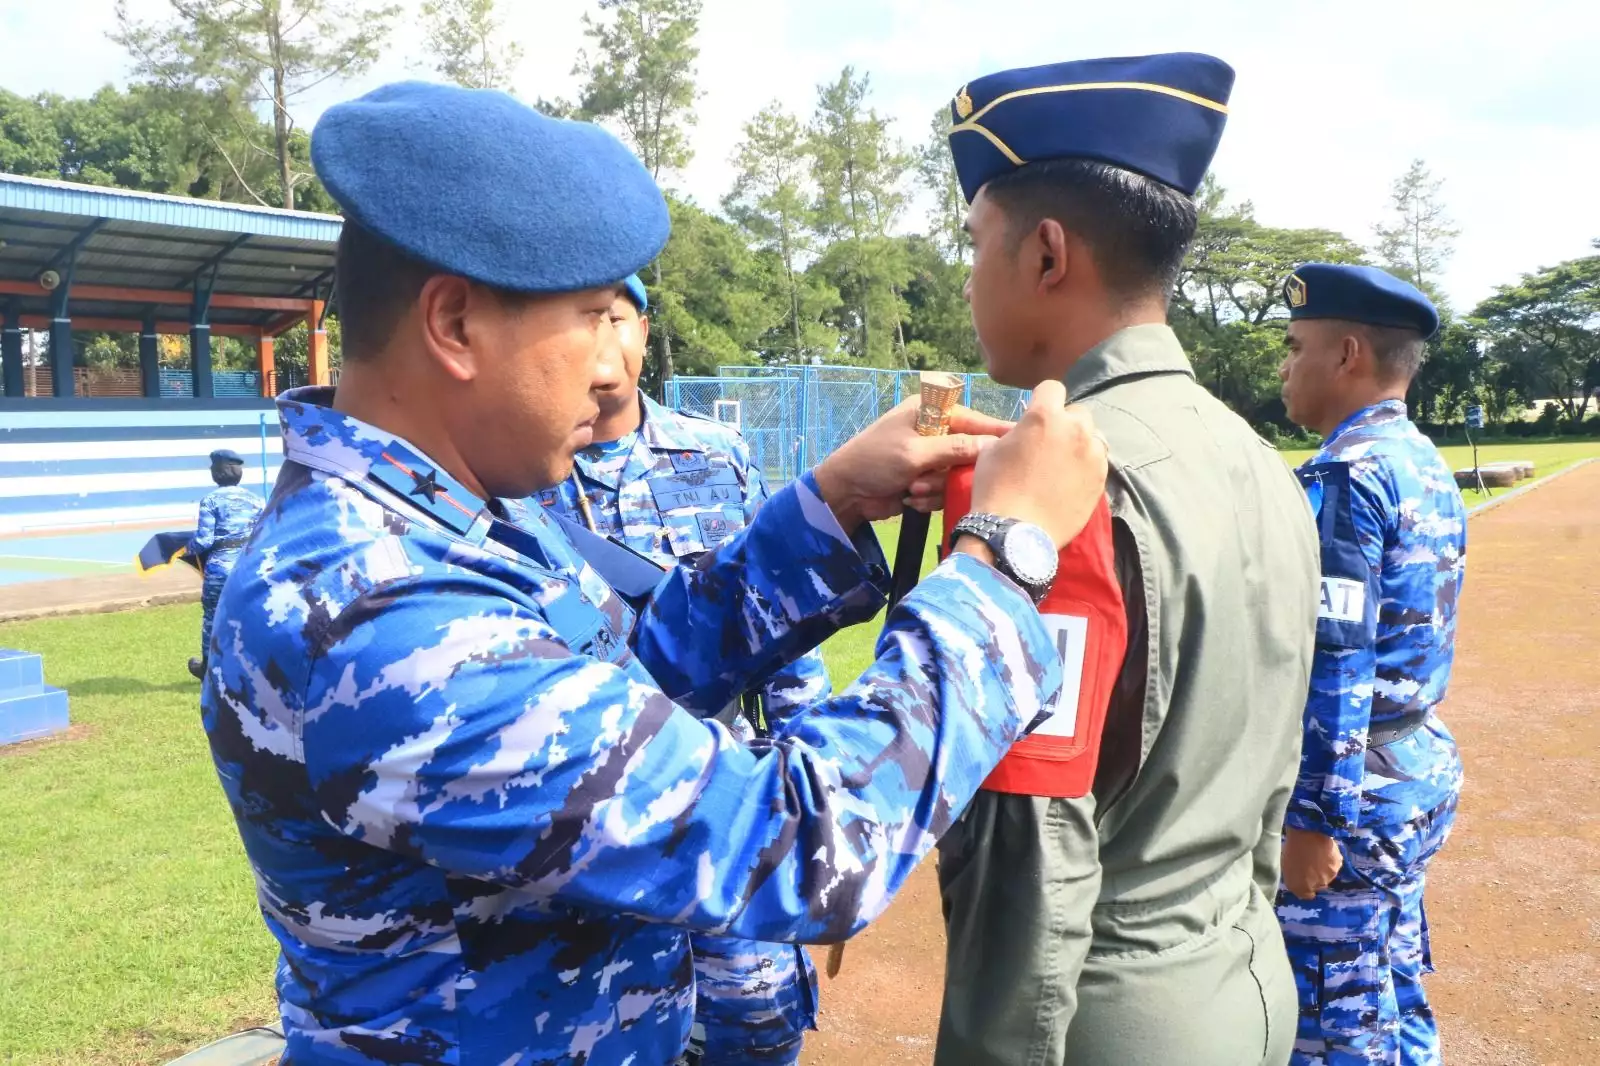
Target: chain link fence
(793, 417)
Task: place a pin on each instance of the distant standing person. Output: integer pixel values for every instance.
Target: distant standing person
(1379, 773)
(227, 514)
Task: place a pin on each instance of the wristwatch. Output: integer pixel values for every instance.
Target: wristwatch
(1022, 551)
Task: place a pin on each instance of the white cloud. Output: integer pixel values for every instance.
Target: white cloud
(1331, 104)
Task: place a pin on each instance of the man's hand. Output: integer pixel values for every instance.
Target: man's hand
(888, 465)
(1050, 470)
(1310, 862)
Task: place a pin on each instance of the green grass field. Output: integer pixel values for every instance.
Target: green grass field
(1547, 457)
(128, 926)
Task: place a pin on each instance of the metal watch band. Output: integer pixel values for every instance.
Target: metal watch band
(988, 528)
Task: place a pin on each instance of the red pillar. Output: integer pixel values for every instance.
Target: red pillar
(318, 356)
(264, 363)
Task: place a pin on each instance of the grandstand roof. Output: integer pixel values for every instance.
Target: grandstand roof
(131, 254)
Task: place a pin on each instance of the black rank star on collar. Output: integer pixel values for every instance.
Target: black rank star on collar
(427, 485)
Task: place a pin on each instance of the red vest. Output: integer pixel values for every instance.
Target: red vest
(1084, 612)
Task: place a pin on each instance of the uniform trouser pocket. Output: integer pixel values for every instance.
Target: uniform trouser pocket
(1338, 947)
(753, 1000)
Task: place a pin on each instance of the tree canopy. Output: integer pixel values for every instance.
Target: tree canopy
(838, 241)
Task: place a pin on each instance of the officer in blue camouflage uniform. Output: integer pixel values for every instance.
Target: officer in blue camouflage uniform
(226, 517)
(1379, 774)
(482, 798)
(672, 487)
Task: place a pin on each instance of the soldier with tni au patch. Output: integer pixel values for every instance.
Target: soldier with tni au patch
(485, 801)
(673, 487)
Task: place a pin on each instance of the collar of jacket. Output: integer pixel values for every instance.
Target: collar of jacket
(1132, 352)
(660, 429)
(657, 432)
(1371, 417)
(317, 436)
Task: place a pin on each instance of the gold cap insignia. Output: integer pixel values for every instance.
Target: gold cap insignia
(1295, 291)
(963, 104)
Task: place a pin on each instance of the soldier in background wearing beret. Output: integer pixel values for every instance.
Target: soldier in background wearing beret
(1380, 773)
(483, 799)
(673, 486)
(226, 517)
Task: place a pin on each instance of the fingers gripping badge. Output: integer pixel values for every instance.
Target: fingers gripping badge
(1084, 612)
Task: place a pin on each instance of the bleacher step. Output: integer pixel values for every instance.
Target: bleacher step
(29, 708)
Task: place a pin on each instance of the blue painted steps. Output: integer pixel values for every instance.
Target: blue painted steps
(29, 708)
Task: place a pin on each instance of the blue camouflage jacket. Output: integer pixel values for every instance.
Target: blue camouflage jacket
(687, 485)
(227, 515)
(478, 822)
(1393, 531)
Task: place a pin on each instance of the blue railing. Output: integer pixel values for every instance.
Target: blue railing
(795, 416)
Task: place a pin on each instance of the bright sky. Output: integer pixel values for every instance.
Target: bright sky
(1333, 99)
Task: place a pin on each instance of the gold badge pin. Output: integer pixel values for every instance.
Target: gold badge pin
(1295, 290)
(963, 104)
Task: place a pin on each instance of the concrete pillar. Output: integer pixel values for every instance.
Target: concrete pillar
(11, 352)
(149, 360)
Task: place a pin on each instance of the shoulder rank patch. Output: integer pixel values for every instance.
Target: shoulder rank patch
(1347, 616)
(432, 491)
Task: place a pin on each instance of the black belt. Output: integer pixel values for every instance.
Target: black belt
(1381, 733)
(228, 543)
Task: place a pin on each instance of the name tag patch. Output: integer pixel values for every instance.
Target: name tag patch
(1343, 600)
(1071, 634)
(706, 488)
(716, 527)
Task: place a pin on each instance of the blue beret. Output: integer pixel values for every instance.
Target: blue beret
(1160, 115)
(636, 293)
(1359, 294)
(226, 455)
(477, 184)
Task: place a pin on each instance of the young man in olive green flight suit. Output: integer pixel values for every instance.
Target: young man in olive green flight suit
(1133, 926)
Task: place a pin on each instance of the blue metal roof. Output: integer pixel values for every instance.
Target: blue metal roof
(118, 239)
(124, 205)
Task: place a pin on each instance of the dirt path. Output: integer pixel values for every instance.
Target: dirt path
(1514, 900)
(104, 592)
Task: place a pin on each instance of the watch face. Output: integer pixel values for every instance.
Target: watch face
(1030, 552)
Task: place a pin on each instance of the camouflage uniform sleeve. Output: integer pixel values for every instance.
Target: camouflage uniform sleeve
(1352, 527)
(205, 533)
(804, 681)
(449, 723)
(759, 601)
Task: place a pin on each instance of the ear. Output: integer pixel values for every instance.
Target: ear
(1350, 355)
(644, 330)
(447, 307)
(1055, 252)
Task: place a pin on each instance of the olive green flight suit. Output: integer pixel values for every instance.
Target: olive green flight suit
(1135, 927)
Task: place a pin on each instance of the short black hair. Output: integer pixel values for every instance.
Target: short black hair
(1398, 351)
(226, 474)
(374, 283)
(1138, 229)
